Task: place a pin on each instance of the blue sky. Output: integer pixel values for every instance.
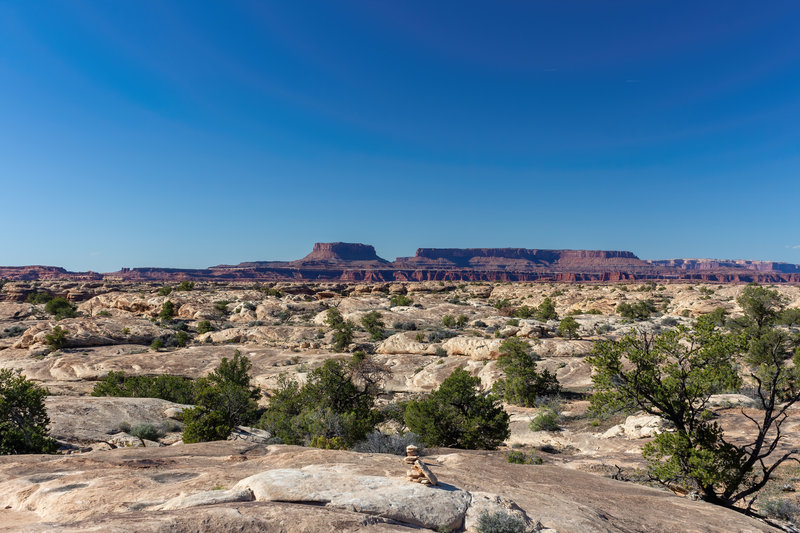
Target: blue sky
(193, 133)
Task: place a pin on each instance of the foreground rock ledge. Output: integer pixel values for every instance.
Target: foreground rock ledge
(134, 490)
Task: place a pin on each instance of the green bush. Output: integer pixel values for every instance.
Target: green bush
(400, 300)
(181, 338)
(458, 415)
(60, 308)
(338, 400)
(522, 384)
(221, 307)
(167, 312)
(156, 345)
(568, 328)
(546, 420)
(225, 399)
(145, 432)
(640, 310)
(448, 321)
(342, 329)
(165, 290)
(204, 326)
(57, 338)
(461, 321)
(185, 286)
(500, 522)
(374, 325)
(521, 458)
(168, 387)
(39, 297)
(546, 310)
(23, 417)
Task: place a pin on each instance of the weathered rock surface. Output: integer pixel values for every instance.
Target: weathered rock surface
(128, 490)
(429, 507)
(89, 420)
(637, 427)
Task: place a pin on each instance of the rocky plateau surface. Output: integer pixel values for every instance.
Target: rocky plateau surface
(107, 480)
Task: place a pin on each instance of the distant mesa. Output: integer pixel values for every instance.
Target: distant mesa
(353, 262)
(341, 252)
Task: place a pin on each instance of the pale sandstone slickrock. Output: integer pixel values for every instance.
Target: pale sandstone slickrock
(433, 508)
(636, 427)
(473, 347)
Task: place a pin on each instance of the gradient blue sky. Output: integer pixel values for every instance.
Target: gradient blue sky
(193, 133)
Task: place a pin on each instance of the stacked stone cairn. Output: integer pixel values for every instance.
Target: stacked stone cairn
(419, 473)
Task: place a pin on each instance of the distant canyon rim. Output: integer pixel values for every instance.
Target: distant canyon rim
(355, 262)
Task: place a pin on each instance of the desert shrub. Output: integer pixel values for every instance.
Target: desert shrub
(342, 337)
(525, 311)
(156, 345)
(181, 338)
(394, 443)
(60, 308)
(185, 286)
(522, 384)
(23, 417)
(13, 331)
(373, 324)
(165, 290)
(513, 322)
(328, 443)
(405, 326)
(146, 432)
(400, 300)
(103, 313)
(790, 317)
(440, 335)
(781, 509)
(167, 311)
(458, 415)
(448, 321)
(204, 326)
(640, 310)
(221, 307)
(338, 400)
(225, 399)
(461, 321)
(669, 321)
(39, 297)
(546, 420)
(500, 522)
(718, 316)
(479, 324)
(342, 329)
(521, 458)
(568, 328)
(546, 310)
(168, 387)
(57, 338)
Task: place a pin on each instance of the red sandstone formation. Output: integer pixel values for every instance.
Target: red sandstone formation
(359, 262)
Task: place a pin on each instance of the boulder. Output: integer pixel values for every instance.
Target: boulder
(437, 508)
(475, 348)
(636, 427)
(485, 502)
(401, 343)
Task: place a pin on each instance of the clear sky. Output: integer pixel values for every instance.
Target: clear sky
(192, 133)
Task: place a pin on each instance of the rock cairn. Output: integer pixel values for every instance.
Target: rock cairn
(419, 473)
